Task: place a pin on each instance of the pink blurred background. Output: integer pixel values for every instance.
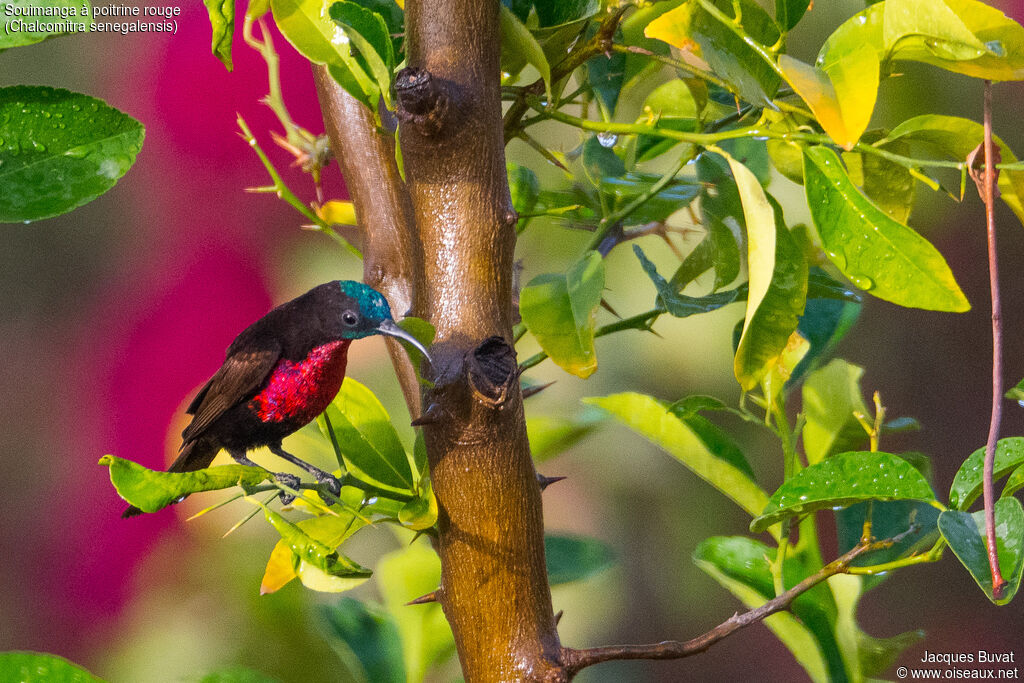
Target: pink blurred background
(110, 316)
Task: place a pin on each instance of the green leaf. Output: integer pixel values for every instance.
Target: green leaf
(256, 9)
(831, 396)
(222, 21)
(152, 490)
(842, 480)
(841, 91)
(424, 333)
(311, 551)
(14, 36)
(720, 210)
(524, 187)
(955, 138)
(967, 483)
(672, 106)
(653, 420)
(521, 47)
(934, 32)
(35, 667)
(550, 435)
(965, 534)
(777, 274)
(560, 311)
(742, 566)
(404, 575)
(886, 183)
(600, 162)
(605, 75)
(371, 640)
(59, 150)
(368, 33)
(237, 675)
(574, 558)
(421, 512)
(1014, 483)
(789, 12)
(879, 255)
(361, 430)
(723, 45)
(681, 305)
(889, 518)
(553, 13)
(823, 324)
(1016, 393)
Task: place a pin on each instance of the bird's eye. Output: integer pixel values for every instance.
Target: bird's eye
(349, 318)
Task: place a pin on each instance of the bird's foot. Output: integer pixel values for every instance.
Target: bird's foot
(292, 482)
(328, 482)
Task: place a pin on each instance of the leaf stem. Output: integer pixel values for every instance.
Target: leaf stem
(999, 584)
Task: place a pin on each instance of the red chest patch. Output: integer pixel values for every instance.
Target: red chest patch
(298, 392)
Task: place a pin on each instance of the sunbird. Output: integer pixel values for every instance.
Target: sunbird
(279, 374)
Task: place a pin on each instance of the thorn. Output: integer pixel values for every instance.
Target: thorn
(424, 599)
(536, 389)
(547, 481)
(430, 416)
(608, 307)
(558, 616)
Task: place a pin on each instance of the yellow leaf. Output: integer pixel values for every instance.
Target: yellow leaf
(338, 213)
(280, 569)
(673, 28)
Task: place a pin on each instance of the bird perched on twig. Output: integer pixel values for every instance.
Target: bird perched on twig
(280, 373)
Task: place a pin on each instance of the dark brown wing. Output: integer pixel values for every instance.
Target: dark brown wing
(241, 375)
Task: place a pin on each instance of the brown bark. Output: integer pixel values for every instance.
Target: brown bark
(444, 242)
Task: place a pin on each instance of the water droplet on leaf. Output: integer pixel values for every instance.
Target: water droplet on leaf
(607, 139)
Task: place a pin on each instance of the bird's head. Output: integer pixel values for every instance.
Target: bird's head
(365, 311)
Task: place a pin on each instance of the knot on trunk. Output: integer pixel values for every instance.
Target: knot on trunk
(492, 370)
(422, 100)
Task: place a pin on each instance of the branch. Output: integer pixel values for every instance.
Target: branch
(999, 584)
(576, 660)
(392, 257)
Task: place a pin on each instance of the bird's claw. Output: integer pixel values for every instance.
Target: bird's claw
(292, 482)
(330, 483)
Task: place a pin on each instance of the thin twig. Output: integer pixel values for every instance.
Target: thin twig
(576, 660)
(999, 584)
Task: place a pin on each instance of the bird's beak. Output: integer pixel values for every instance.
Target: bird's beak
(391, 329)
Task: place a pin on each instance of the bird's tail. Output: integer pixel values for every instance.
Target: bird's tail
(194, 455)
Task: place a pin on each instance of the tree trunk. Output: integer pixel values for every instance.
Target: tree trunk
(452, 262)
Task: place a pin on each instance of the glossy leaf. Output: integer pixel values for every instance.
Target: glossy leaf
(842, 480)
(605, 75)
(831, 396)
(600, 162)
(329, 530)
(1016, 393)
(370, 636)
(405, 575)
(152, 490)
(889, 518)
(653, 420)
(368, 33)
(524, 187)
(887, 184)
(824, 323)
(222, 22)
(16, 38)
(1014, 483)
(421, 512)
(933, 33)
(722, 215)
(681, 305)
(673, 106)
(424, 333)
(789, 12)
(741, 565)
(967, 483)
(551, 436)
(965, 534)
(36, 667)
(691, 27)
(955, 138)
(361, 430)
(311, 551)
(60, 150)
(560, 311)
(519, 43)
(841, 92)
(574, 558)
(879, 255)
(777, 275)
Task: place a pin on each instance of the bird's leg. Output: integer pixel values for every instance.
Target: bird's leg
(325, 478)
(289, 480)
